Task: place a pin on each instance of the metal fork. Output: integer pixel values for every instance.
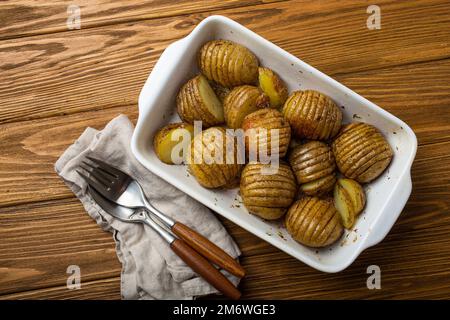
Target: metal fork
(191, 257)
(122, 189)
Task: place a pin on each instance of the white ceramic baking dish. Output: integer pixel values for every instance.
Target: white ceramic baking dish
(386, 196)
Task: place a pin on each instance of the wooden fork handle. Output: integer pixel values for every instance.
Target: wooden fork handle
(206, 270)
(208, 249)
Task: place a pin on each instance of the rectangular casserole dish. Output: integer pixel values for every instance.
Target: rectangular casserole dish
(386, 196)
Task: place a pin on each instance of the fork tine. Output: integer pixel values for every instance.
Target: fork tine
(106, 167)
(94, 184)
(106, 175)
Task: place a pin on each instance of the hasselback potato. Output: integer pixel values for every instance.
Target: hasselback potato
(314, 167)
(258, 128)
(361, 151)
(168, 137)
(312, 115)
(271, 84)
(228, 63)
(240, 102)
(205, 147)
(267, 195)
(314, 222)
(196, 100)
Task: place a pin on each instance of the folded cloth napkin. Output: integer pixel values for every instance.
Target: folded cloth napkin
(150, 269)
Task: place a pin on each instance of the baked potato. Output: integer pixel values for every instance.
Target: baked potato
(258, 128)
(314, 222)
(314, 167)
(168, 138)
(267, 195)
(349, 200)
(210, 161)
(196, 100)
(228, 63)
(271, 84)
(312, 115)
(361, 151)
(240, 102)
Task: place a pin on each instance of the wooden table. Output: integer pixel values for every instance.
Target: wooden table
(55, 82)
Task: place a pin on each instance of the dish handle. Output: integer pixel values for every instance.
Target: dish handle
(396, 204)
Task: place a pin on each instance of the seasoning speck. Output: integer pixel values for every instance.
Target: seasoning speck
(355, 116)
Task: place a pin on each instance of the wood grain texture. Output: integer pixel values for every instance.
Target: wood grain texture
(55, 83)
(93, 69)
(401, 274)
(25, 17)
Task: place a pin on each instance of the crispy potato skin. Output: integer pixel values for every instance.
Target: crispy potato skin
(162, 142)
(314, 222)
(228, 63)
(191, 106)
(271, 84)
(312, 115)
(240, 102)
(262, 122)
(314, 167)
(212, 175)
(267, 195)
(361, 151)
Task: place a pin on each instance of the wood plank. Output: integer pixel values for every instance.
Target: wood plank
(25, 17)
(104, 289)
(39, 241)
(99, 68)
(413, 264)
(418, 93)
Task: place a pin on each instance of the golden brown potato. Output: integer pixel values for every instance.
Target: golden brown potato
(220, 91)
(314, 222)
(361, 152)
(271, 84)
(197, 101)
(240, 102)
(312, 115)
(228, 63)
(349, 200)
(168, 137)
(208, 158)
(258, 128)
(267, 194)
(313, 165)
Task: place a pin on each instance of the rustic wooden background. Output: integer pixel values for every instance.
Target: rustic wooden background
(55, 82)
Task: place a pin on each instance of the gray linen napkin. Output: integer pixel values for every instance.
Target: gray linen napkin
(150, 270)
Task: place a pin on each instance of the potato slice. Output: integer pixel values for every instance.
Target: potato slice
(271, 84)
(349, 200)
(168, 137)
(197, 101)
